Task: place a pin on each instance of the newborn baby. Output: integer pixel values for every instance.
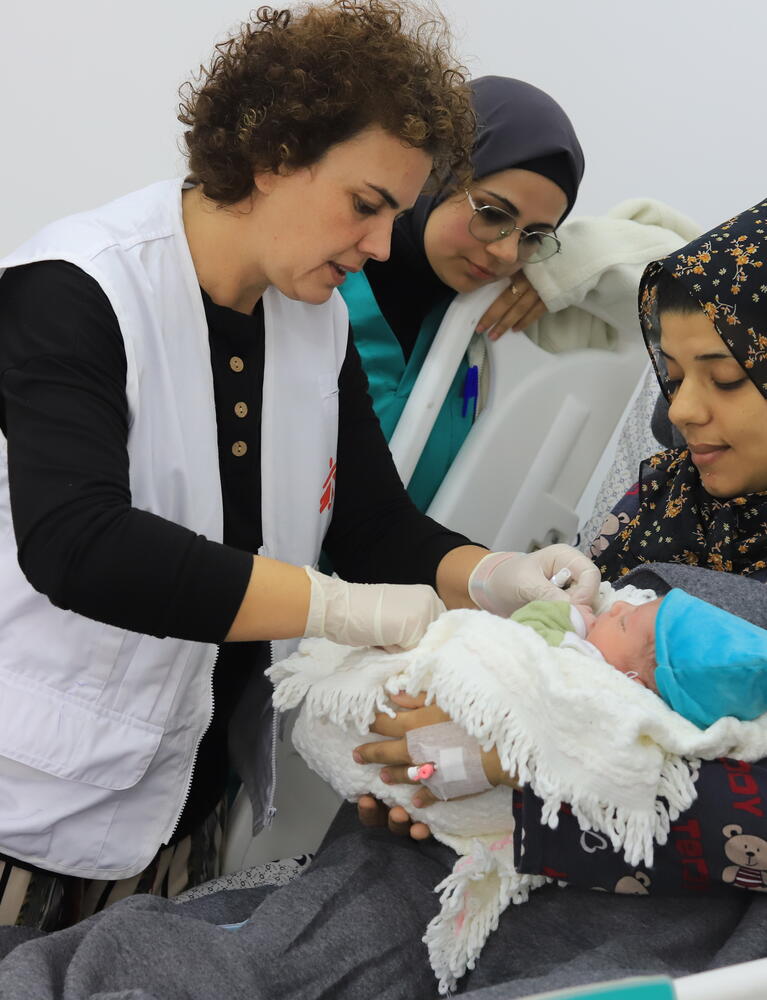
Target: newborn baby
(705, 663)
(569, 726)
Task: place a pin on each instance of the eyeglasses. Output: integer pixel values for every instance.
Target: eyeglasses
(489, 224)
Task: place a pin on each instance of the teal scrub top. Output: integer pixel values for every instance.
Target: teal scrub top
(391, 380)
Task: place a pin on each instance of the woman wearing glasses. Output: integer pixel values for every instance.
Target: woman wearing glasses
(527, 164)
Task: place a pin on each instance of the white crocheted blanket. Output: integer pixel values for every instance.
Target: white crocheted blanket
(572, 727)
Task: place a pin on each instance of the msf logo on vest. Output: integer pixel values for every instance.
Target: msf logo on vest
(328, 487)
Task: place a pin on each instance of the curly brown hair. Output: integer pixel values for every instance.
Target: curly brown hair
(286, 88)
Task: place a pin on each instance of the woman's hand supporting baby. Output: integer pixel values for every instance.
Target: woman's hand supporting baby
(394, 754)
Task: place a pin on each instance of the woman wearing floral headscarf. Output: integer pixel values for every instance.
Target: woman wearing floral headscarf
(698, 521)
(704, 317)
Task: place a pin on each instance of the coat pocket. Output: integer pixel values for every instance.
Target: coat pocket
(70, 738)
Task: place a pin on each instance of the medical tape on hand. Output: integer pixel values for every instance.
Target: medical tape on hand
(457, 758)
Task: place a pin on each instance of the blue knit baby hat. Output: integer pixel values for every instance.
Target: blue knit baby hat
(710, 663)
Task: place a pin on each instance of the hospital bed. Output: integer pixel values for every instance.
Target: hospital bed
(541, 442)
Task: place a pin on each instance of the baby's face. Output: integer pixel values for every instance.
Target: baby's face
(625, 636)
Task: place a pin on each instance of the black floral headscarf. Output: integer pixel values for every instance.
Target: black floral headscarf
(725, 272)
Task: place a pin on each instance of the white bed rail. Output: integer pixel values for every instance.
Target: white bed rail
(437, 372)
(746, 981)
(518, 478)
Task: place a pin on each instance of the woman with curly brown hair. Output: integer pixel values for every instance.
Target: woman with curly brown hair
(186, 421)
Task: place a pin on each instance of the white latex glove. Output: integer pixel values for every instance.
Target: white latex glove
(503, 581)
(393, 615)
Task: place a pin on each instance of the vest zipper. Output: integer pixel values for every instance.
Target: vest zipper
(271, 809)
(196, 749)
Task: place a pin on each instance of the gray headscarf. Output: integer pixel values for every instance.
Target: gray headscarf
(518, 126)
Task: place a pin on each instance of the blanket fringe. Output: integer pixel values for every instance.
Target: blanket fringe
(635, 831)
(343, 706)
(473, 897)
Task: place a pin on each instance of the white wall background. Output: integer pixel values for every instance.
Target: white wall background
(667, 96)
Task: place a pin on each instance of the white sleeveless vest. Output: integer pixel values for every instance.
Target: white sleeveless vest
(99, 726)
